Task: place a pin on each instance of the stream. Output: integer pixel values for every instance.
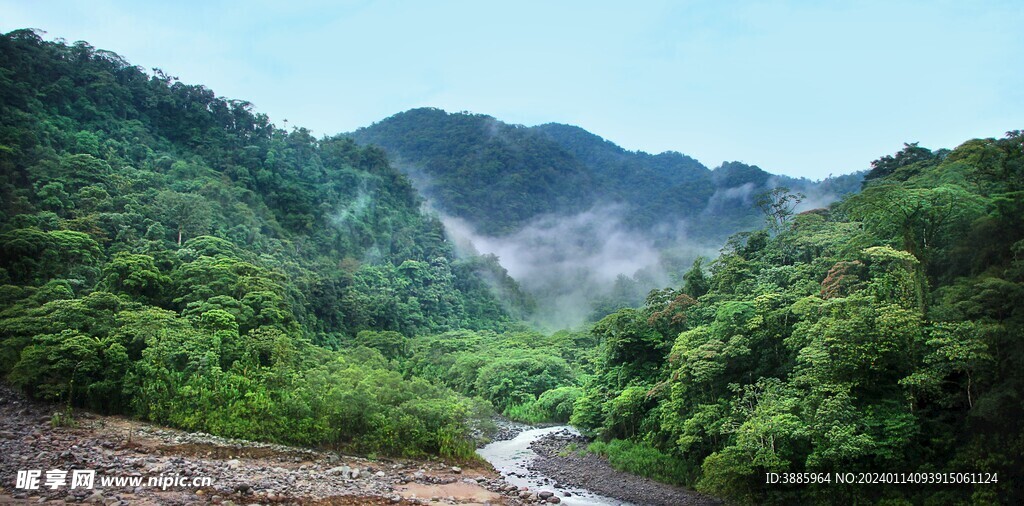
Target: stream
(512, 457)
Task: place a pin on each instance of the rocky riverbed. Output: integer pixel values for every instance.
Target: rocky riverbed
(248, 473)
(240, 472)
(504, 429)
(560, 459)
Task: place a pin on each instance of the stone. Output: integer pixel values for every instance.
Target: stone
(342, 470)
(233, 463)
(456, 469)
(544, 494)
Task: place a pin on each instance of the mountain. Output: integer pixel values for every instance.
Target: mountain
(479, 168)
(582, 224)
(500, 177)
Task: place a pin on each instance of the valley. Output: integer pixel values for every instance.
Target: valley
(188, 288)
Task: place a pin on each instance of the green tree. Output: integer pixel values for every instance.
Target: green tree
(135, 275)
(778, 205)
(185, 212)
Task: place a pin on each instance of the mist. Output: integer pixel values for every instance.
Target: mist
(577, 264)
(579, 267)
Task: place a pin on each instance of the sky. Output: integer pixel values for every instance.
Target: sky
(803, 88)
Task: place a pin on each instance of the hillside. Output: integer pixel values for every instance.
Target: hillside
(170, 254)
(880, 335)
(584, 226)
(500, 177)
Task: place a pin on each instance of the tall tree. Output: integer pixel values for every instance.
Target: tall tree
(185, 212)
(778, 205)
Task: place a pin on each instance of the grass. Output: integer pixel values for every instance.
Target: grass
(65, 418)
(571, 448)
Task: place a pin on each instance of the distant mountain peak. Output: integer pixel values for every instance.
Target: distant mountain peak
(499, 176)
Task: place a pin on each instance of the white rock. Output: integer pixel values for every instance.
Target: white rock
(342, 470)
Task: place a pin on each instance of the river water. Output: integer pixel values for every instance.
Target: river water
(512, 457)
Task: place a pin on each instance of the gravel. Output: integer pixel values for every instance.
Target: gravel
(592, 472)
(242, 472)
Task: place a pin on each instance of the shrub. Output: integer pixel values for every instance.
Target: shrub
(641, 459)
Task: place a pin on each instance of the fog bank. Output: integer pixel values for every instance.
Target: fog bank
(576, 264)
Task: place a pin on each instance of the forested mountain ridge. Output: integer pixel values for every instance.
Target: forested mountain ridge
(585, 226)
(563, 169)
(480, 168)
(171, 254)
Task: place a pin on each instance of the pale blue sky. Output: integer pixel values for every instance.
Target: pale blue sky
(801, 88)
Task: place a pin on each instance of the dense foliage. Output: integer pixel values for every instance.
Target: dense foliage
(499, 176)
(171, 254)
(525, 375)
(882, 334)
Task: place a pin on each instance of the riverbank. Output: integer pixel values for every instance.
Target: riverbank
(248, 472)
(513, 457)
(238, 471)
(504, 429)
(560, 458)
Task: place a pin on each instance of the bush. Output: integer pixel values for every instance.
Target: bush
(558, 403)
(527, 412)
(554, 405)
(641, 459)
